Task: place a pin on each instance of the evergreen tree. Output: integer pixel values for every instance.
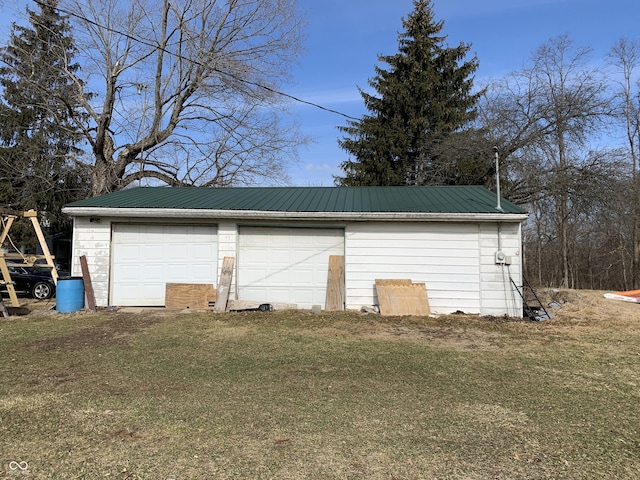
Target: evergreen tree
(423, 99)
(38, 136)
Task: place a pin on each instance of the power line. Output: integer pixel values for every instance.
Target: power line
(181, 57)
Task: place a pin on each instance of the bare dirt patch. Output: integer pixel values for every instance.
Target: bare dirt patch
(569, 308)
(573, 313)
(452, 337)
(114, 330)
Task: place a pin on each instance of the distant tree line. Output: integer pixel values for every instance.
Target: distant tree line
(567, 136)
(97, 95)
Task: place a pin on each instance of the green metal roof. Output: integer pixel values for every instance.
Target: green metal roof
(453, 199)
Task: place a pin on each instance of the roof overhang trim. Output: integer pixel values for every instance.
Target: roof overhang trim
(270, 215)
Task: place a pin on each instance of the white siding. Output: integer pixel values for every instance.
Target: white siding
(445, 256)
(93, 239)
(456, 262)
(499, 295)
(227, 247)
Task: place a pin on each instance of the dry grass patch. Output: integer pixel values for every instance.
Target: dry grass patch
(292, 395)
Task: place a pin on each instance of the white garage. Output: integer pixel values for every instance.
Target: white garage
(286, 265)
(459, 241)
(146, 256)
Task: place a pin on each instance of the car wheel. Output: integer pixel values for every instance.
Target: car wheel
(42, 291)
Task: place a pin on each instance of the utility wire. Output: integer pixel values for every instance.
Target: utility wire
(181, 57)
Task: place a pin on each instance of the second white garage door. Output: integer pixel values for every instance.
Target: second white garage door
(286, 265)
(145, 257)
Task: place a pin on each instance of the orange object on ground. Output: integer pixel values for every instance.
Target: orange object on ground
(629, 293)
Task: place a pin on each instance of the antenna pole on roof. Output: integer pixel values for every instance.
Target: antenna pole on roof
(495, 151)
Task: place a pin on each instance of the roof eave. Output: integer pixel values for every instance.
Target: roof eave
(277, 215)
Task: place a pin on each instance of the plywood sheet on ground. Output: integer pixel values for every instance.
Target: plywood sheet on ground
(402, 297)
(335, 284)
(189, 295)
(224, 285)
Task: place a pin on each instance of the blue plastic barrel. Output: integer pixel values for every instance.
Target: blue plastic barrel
(69, 295)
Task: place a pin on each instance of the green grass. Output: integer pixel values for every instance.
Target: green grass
(291, 395)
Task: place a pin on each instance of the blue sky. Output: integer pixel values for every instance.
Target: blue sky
(345, 37)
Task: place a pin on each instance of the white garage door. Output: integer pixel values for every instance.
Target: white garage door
(146, 257)
(286, 265)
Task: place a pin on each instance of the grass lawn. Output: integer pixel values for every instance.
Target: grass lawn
(292, 395)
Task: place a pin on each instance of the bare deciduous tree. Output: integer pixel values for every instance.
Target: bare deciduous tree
(185, 91)
(547, 113)
(625, 57)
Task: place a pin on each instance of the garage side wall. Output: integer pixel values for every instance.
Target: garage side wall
(456, 261)
(92, 239)
(445, 256)
(499, 295)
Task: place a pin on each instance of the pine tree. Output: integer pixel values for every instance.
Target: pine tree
(423, 99)
(37, 130)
